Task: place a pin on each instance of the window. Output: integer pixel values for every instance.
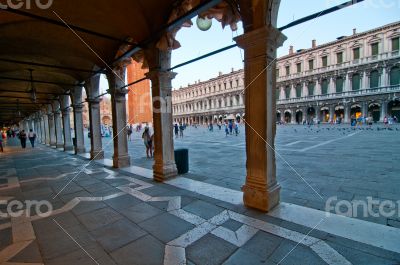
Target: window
(310, 88)
(324, 87)
(237, 82)
(324, 61)
(287, 92)
(310, 64)
(277, 72)
(298, 65)
(356, 53)
(339, 57)
(395, 44)
(224, 86)
(374, 49)
(277, 94)
(339, 85)
(230, 82)
(298, 90)
(374, 79)
(287, 68)
(395, 76)
(355, 82)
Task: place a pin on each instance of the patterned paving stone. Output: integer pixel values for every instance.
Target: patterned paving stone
(123, 202)
(210, 250)
(166, 227)
(99, 218)
(203, 209)
(118, 234)
(140, 212)
(144, 251)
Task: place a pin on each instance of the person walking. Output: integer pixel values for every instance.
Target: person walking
(147, 142)
(22, 138)
(181, 128)
(129, 132)
(176, 130)
(1, 142)
(32, 137)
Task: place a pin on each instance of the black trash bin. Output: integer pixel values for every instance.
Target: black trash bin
(74, 141)
(182, 160)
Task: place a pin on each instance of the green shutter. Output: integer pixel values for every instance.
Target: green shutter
(287, 68)
(339, 85)
(374, 79)
(276, 94)
(324, 87)
(310, 64)
(355, 85)
(311, 89)
(356, 53)
(374, 49)
(339, 57)
(298, 67)
(395, 44)
(395, 76)
(287, 92)
(298, 91)
(325, 61)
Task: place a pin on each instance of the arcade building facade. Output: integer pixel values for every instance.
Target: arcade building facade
(353, 76)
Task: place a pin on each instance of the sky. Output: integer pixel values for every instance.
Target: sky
(194, 42)
(363, 16)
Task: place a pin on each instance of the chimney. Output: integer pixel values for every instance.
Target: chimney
(219, 73)
(290, 50)
(354, 31)
(232, 70)
(313, 43)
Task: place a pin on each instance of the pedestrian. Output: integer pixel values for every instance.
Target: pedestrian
(147, 142)
(226, 130)
(236, 127)
(32, 137)
(230, 127)
(129, 131)
(211, 127)
(181, 128)
(176, 130)
(1, 142)
(22, 138)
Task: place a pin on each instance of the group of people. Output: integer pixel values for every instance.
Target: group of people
(231, 127)
(21, 135)
(147, 137)
(178, 129)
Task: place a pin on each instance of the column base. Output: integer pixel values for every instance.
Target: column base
(121, 161)
(165, 171)
(68, 148)
(59, 146)
(261, 198)
(94, 155)
(80, 150)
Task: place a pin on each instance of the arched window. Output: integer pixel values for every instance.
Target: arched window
(374, 79)
(395, 76)
(287, 92)
(298, 90)
(310, 87)
(324, 87)
(355, 82)
(339, 85)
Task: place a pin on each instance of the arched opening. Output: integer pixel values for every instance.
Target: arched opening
(299, 116)
(278, 116)
(325, 114)
(339, 84)
(298, 90)
(355, 111)
(310, 88)
(287, 92)
(310, 114)
(238, 119)
(374, 110)
(395, 76)
(288, 116)
(339, 114)
(394, 108)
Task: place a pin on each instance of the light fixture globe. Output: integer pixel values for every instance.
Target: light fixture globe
(203, 24)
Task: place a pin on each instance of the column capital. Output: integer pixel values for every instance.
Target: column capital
(260, 39)
(154, 73)
(77, 107)
(93, 100)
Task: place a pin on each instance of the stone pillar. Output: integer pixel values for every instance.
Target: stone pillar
(293, 116)
(317, 113)
(365, 82)
(317, 90)
(92, 88)
(96, 150)
(384, 105)
(164, 161)
(347, 84)
(65, 108)
(42, 129)
(37, 128)
(347, 113)
(331, 88)
(46, 129)
(52, 128)
(116, 81)
(261, 190)
(305, 89)
(364, 109)
(57, 124)
(78, 120)
(383, 78)
(331, 112)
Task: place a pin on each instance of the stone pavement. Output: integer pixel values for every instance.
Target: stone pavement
(322, 162)
(105, 216)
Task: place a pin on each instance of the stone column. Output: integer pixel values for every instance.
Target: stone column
(293, 116)
(46, 129)
(57, 123)
(384, 105)
(317, 113)
(365, 82)
(37, 128)
(261, 190)
(346, 113)
(331, 88)
(78, 120)
(65, 108)
(164, 161)
(364, 109)
(52, 128)
(116, 80)
(331, 112)
(42, 129)
(383, 78)
(347, 84)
